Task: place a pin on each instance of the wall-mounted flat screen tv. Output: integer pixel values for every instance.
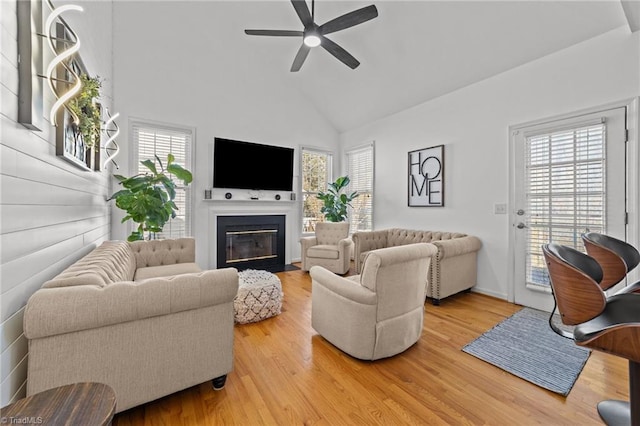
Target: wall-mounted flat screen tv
(247, 165)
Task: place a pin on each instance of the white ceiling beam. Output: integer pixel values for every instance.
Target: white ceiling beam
(632, 12)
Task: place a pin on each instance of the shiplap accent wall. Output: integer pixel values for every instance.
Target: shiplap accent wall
(52, 213)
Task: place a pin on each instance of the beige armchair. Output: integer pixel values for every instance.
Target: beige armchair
(329, 248)
(379, 313)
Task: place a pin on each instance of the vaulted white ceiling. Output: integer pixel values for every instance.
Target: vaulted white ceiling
(415, 51)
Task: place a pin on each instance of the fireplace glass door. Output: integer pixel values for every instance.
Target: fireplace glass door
(244, 246)
(251, 242)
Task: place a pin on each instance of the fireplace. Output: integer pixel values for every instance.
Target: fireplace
(252, 241)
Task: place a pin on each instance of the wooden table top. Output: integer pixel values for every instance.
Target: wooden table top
(76, 404)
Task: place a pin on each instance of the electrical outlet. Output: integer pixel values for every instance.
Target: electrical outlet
(500, 208)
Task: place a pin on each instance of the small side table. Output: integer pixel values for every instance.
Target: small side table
(76, 404)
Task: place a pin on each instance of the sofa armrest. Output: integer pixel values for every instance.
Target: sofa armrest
(307, 242)
(371, 240)
(53, 311)
(457, 246)
(454, 267)
(344, 246)
(367, 241)
(342, 287)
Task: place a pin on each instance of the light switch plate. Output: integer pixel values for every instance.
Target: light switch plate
(500, 208)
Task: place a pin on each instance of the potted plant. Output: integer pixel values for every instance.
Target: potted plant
(335, 202)
(85, 108)
(148, 198)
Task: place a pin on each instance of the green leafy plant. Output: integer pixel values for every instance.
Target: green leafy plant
(148, 198)
(88, 113)
(335, 202)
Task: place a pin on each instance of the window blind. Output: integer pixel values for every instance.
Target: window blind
(149, 141)
(360, 171)
(565, 191)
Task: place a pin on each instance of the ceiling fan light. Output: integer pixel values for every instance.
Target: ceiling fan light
(311, 40)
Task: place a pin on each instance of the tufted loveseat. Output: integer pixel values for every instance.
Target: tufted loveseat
(453, 267)
(140, 317)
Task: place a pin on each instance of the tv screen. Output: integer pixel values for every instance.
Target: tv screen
(246, 165)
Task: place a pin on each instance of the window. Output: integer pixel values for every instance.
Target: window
(565, 191)
(150, 140)
(360, 171)
(316, 175)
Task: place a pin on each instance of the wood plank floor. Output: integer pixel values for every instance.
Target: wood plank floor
(285, 373)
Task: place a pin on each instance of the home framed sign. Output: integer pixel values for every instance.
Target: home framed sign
(426, 177)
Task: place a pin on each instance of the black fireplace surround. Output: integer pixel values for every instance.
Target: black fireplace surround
(251, 241)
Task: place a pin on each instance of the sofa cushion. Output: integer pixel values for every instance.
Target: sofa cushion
(323, 252)
(165, 271)
(111, 262)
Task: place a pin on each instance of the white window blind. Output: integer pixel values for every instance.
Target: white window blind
(151, 140)
(565, 191)
(360, 172)
(316, 175)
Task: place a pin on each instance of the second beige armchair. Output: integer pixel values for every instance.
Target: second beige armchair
(379, 313)
(329, 248)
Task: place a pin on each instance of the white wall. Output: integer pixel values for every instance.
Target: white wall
(52, 212)
(172, 64)
(473, 125)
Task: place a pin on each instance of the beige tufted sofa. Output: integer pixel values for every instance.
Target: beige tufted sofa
(453, 267)
(140, 317)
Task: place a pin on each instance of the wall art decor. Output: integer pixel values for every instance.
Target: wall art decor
(112, 131)
(70, 143)
(78, 117)
(64, 44)
(75, 114)
(30, 95)
(426, 177)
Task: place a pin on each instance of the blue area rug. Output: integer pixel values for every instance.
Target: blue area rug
(525, 346)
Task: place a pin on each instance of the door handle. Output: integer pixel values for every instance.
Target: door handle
(521, 225)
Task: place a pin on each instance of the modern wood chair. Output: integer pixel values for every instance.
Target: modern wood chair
(610, 325)
(616, 258)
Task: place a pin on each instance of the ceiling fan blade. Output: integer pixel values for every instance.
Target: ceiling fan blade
(349, 20)
(300, 57)
(303, 12)
(278, 33)
(337, 51)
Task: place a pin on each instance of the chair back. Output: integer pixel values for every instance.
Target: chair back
(616, 257)
(575, 279)
(330, 233)
(398, 275)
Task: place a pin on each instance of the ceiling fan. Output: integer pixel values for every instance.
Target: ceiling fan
(314, 35)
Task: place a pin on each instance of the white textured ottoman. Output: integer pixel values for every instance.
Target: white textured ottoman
(259, 296)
